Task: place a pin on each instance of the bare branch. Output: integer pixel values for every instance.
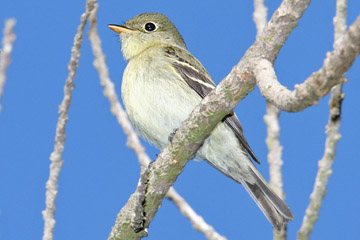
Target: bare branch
(133, 140)
(260, 15)
(340, 22)
(273, 37)
(197, 221)
(273, 128)
(275, 157)
(56, 155)
(319, 83)
(275, 149)
(5, 52)
(325, 164)
(333, 135)
(204, 118)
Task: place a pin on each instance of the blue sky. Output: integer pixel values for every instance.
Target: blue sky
(100, 173)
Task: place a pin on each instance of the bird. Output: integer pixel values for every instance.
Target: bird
(161, 85)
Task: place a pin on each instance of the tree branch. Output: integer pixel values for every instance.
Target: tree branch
(133, 141)
(204, 118)
(56, 155)
(197, 221)
(333, 135)
(275, 149)
(275, 158)
(7, 44)
(319, 83)
(260, 15)
(273, 128)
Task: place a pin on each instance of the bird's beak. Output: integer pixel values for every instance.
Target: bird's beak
(120, 29)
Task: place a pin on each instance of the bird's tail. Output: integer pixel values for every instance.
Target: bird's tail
(273, 207)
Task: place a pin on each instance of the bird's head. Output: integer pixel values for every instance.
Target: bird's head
(144, 31)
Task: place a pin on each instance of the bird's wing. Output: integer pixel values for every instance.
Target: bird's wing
(233, 122)
(195, 76)
(200, 81)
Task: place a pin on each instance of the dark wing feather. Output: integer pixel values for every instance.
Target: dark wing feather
(202, 84)
(233, 122)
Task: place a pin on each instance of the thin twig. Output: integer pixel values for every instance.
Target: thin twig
(260, 15)
(133, 140)
(7, 46)
(333, 135)
(273, 127)
(197, 221)
(275, 158)
(275, 149)
(56, 155)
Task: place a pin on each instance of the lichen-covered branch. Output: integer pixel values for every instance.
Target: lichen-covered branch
(133, 140)
(320, 82)
(189, 137)
(56, 155)
(333, 135)
(7, 46)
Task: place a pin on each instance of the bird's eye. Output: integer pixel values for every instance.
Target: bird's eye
(150, 27)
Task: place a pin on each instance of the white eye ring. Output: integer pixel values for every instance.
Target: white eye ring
(150, 26)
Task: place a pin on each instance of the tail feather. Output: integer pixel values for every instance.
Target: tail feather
(273, 207)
